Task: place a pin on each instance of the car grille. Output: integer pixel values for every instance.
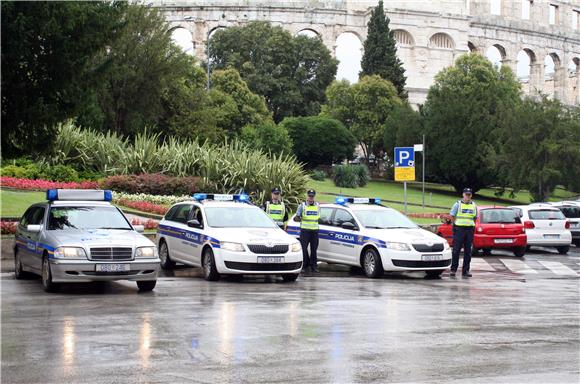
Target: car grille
(428, 248)
(263, 266)
(262, 249)
(111, 253)
(421, 264)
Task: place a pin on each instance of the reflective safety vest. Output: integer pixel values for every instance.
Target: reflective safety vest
(465, 214)
(310, 217)
(276, 212)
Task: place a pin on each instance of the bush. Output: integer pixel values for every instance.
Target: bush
(267, 137)
(318, 175)
(350, 176)
(14, 171)
(154, 184)
(59, 173)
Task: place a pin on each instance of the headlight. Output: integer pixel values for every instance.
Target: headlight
(398, 246)
(295, 247)
(70, 253)
(146, 252)
(446, 246)
(236, 247)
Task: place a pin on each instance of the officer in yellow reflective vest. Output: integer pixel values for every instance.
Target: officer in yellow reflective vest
(464, 213)
(308, 214)
(276, 209)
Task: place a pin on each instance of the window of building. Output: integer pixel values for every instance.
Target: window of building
(553, 14)
(526, 8)
(495, 7)
(575, 19)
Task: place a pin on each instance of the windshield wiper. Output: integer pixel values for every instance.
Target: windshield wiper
(398, 227)
(121, 228)
(373, 227)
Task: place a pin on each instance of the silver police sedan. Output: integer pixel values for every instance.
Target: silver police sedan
(79, 236)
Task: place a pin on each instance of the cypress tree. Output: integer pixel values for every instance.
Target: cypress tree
(380, 52)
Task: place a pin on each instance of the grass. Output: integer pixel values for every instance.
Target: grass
(15, 203)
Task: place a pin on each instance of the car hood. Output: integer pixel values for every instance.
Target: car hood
(405, 235)
(99, 237)
(253, 235)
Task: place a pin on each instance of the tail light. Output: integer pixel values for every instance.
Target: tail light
(567, 225)
(529, 225)
(479, 229)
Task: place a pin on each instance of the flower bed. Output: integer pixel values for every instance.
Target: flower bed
(143, 206)
(148, 224)
(153, 199)
(8, 227)
(28, 184)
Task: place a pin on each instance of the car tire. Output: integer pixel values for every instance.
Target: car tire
(433, 274)
(19, 273)
(577, 243)
(46, 275)
(166, 262)
(563, 250)
(210, 272)
(519, 252)
(371, 263)
(289, 277)
(486, 251)
(528, 247)
(146, 286)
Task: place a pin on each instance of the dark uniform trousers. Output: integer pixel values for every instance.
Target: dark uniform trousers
(309, 237)
(462, 237)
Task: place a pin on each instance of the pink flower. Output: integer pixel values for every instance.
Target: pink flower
(28, 184)
(8, 227)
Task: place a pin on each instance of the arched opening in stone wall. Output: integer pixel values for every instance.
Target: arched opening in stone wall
(550, 66)
(183, 39)
(496, 54)
(349, 51)
(308, 33)
(472, 48)
(574, 72)
(214, 30)
(403, 38)
(441, 40)
(525, 59)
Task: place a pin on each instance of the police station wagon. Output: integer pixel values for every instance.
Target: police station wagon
(226, 234)
(360, 232)
(79, 236)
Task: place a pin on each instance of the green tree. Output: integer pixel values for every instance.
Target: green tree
(46, 66)
(363, 108)
(380, 52)
(402, 128)
(541, 147)
(291, 73)
(268, 137)
(462, 120)
(319, 140)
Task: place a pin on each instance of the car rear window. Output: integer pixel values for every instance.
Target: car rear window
(546, 214)
(498, 216)
(571, 212)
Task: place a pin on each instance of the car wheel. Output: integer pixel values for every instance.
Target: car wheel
(563, 250)
(210, 272)
(433, 274)
(146, 286)
(528, 247)
(166, 262)
(519, 252)
(19, 274)
(577, 243)
(371, 263)
(486, 252)
(288, 277)
(47, 283)
(474, 252)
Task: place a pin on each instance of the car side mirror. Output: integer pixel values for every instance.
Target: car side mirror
(349, 225)
(194, 224)
(34, 227)
(139, 228)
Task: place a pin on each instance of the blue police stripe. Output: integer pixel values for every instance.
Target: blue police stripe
(191, 236)
(33, 246)
(342, 237)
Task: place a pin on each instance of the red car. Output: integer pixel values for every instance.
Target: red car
(495, 228)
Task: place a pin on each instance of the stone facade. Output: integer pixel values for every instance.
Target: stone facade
(431, 33)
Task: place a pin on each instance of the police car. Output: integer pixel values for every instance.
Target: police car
(363, 233)
(79, 236)
(226, 234)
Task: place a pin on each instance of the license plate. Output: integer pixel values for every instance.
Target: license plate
(503, 241)
(270, 259)
(431, 257)
(112, 267)
(551, 236)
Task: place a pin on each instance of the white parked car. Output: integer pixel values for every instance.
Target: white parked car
(225, 234)
(546, 226)
(572, 213)
(360, 232)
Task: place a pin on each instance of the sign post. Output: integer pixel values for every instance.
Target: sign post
(405, 167)
(421, 148)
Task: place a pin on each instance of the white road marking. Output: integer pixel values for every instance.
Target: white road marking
(481, 265)
(558, 268)
(517, 266)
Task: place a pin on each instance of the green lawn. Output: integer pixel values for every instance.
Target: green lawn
(14, 203)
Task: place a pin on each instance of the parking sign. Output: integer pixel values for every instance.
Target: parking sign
(404, 164)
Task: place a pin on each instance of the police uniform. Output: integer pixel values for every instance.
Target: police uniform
(276, 210)
(309, 214)
(463, 231)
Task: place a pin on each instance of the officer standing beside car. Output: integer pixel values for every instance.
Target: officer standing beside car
(276, 209)
(308, 214)
(464, 213)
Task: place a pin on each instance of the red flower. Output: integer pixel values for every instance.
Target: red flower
(28, 184)
(8, 227)
(143, 206)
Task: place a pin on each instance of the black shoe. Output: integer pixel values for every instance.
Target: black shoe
(305, 270)
(452, 274)
(466, 274)
(315, 270)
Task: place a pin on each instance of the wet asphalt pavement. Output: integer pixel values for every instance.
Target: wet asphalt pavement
(505, 325)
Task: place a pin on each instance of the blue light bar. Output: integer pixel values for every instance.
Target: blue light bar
(79, 195)
(52, 194)
(356, 200)
(200, 196)
(242, 198)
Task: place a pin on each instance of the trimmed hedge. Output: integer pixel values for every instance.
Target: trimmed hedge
(153, 184)
(350, 176)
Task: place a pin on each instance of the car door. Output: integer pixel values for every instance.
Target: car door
(178, 245)
(31, 258)
(343, 242)
(325, 228)
(193, 246)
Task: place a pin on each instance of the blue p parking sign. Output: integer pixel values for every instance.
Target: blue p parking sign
(404, 157)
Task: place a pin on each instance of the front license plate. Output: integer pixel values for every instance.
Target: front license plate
(431, 257)
(112, 267)
(503, 241)
(551, 236)
(270, 259)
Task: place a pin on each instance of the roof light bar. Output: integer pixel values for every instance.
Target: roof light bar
(242, 198)
(79, 195)
(357, 200)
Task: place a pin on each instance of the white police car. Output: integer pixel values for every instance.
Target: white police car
(79, 236)
(361, 232)
(226, 234)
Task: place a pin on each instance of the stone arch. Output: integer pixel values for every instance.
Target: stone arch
(550, 66)
(441, 40)
(183, 38)
(472, 48)
(349, 54)
(403, 37)
(213, 30)
(496, 54)
(309, 32)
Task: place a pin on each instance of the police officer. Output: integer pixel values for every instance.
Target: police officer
(308, 214)
(276, 209)
(464, 213)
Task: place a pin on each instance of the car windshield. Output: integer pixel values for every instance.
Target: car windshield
(242, 217)
(546, 214)
(62, 218)
(383, 219)
(498, 216)
(571, 212)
